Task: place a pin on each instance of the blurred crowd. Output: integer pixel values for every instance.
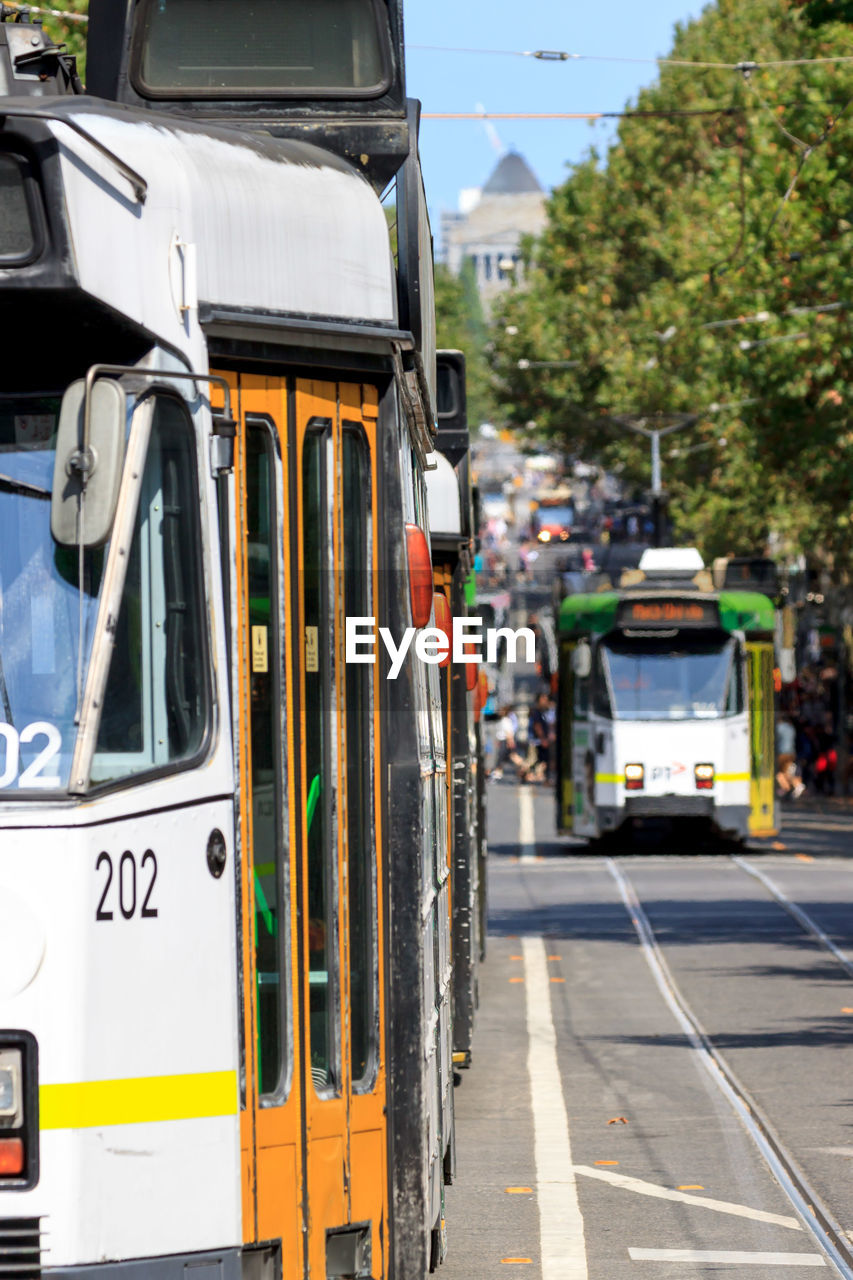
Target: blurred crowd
(808, 733)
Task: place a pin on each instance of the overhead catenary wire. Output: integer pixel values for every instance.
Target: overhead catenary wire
(652, 113)
(562, 55)
(50, 13)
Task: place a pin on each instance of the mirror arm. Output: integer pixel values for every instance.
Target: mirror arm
(83, 462)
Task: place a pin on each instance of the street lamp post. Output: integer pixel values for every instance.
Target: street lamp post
(654, 434)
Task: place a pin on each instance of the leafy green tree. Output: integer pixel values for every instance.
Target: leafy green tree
(64, 30)
(727, 195)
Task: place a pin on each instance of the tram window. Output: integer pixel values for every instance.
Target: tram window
(663, 680)
(361, 861)
(318, 582)
(600, 695)
(267, 733)
(735, 700)
(156, 703)
(581, 695)
(40, 603)
(215, 48)
(17, 236)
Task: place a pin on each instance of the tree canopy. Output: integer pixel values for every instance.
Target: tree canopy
(67, 31)
(698, 271)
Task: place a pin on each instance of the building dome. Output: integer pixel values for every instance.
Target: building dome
(512, 177)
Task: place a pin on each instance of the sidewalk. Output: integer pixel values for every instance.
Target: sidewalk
(813, 802)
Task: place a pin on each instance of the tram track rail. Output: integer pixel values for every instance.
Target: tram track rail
(796, 912)
(817, 1219)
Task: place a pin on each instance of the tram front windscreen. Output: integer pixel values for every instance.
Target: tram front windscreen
(666, 680)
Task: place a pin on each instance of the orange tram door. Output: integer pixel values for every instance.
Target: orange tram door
(301, 558)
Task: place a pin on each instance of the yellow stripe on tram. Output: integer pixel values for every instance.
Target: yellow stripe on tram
(147, 1100)
(610, 777)
(732, 777)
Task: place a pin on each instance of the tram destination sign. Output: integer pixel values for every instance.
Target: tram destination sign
(660, 612)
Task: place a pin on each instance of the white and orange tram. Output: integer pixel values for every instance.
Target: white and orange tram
(225, 1007)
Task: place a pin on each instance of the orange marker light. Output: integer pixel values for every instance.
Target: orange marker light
(605, 1162)
(519, 1191)
(516, 1259)
(420, 575)
(11, 1157)
(691, 1186)
(444, 622)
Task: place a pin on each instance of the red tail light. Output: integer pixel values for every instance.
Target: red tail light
(472, 669)
(444, 622)
(11, 1157)
(635, 777)
(704, 775)
(420, 575)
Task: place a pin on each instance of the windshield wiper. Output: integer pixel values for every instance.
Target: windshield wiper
(8, 485)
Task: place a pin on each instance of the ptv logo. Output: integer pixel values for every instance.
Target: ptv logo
(663, 772)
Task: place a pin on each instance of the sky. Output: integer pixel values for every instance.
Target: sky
(458, 154)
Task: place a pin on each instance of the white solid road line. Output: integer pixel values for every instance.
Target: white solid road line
(526, 828)
(703, 1202)
(561, 1237)
(732, 1257)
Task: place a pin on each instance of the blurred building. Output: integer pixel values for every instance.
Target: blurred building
(488, 226)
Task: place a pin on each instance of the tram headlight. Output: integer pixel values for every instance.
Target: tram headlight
(11, 1089)
(635, 777)
(704, 774)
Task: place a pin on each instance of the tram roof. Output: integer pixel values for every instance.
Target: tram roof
(596, 613)
(279, 226)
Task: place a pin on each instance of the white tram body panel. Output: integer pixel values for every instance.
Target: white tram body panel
(268, 226)
(121, 1173)
(669, 753)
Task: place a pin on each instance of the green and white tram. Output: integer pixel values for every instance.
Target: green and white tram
(666, 704)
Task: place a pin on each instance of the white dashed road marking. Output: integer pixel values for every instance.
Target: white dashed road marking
(561, 1235)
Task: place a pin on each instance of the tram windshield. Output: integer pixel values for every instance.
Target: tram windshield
(662, 680)
(207, 48)
(153, 712)
(41, 607)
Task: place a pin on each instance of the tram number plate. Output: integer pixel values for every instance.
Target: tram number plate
(128, 887)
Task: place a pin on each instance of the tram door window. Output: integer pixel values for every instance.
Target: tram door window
(358, 709)
(318, 606)
(265, 703)
(344, 1104)
(271, 1106)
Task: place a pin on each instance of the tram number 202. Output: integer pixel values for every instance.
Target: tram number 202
(126, 887)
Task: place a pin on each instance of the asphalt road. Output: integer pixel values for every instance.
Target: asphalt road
(597, 1138)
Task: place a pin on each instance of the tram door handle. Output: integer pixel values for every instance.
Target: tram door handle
(600, 743)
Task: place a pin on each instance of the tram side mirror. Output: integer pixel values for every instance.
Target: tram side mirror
(582, 661)
(94, 471)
